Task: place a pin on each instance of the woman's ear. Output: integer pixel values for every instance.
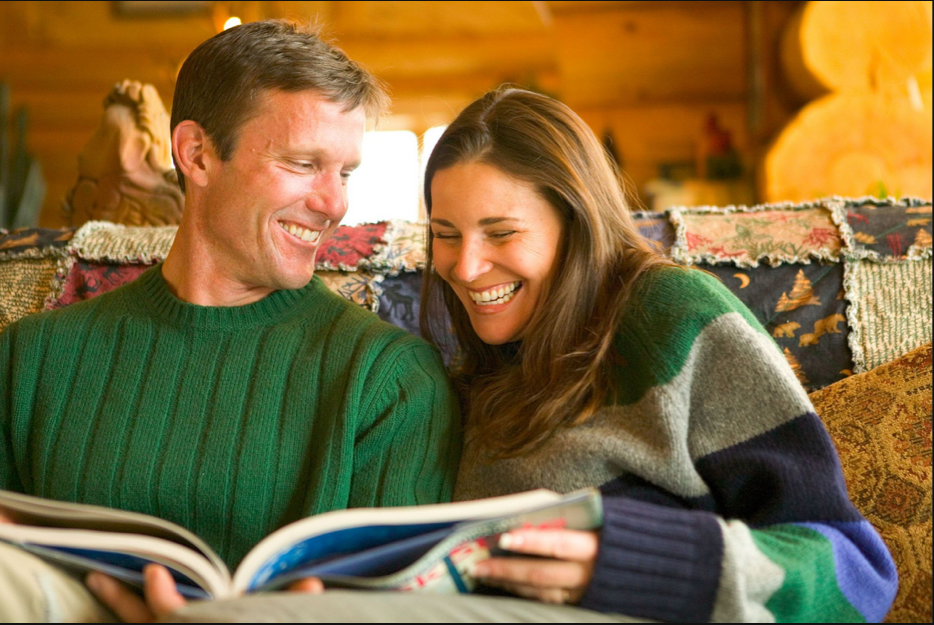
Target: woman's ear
(193, 150)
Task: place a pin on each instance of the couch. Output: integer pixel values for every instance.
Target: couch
(843, 285)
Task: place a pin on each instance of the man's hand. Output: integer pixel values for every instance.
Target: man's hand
(161, 596)
(561, 579)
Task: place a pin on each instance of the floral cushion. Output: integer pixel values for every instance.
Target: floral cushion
(747, 236)
(350, 247)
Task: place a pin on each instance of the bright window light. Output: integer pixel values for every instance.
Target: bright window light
(385, 186)
(429, 140)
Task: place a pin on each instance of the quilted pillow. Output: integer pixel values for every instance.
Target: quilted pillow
(880, 422)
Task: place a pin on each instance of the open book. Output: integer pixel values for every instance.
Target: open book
(427, 548)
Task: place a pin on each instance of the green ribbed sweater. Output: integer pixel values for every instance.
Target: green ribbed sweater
(228, 421)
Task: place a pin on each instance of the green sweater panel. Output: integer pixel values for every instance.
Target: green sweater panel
(228, 421)
(669, 309)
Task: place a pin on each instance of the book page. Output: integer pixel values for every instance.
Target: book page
(389, 540)
(87, 544)
(41, 512)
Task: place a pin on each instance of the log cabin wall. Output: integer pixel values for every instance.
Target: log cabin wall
(649, 73)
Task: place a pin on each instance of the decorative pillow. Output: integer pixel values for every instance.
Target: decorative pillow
(889, 230)
(804, 309)
(102, 241)
(745, 236)
(399, 298)
(34, 243)
(349, 247)
(404, 249)
(355, 286)
(87, 279)
(24, 285)
(880, 422)
(890, 309)
(657, 228)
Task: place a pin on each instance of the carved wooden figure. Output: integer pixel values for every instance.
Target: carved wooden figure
(125, 172)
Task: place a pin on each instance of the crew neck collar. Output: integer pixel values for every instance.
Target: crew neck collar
(273, 308)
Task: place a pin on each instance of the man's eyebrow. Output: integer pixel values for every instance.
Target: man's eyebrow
(316, 154)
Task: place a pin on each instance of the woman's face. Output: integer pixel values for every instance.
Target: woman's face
(495, 242)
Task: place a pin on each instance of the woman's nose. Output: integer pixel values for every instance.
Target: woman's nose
(472, 262)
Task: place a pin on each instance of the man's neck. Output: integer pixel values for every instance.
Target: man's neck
(196, 275)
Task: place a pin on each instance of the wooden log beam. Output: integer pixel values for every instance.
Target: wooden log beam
(659, 54)
(852, 144)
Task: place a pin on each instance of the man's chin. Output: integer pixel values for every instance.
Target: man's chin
(292, 282)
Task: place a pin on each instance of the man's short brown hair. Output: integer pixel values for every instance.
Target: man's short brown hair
(221, 82)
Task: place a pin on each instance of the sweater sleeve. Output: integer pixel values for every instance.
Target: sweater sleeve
(409, 440)
(768, 531)
(9, 479)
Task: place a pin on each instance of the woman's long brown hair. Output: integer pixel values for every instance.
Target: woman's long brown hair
(516, 395)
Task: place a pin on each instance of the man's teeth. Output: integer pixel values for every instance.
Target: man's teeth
(499, 295)
(302, 233)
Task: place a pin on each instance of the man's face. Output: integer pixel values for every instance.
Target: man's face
(283, 191)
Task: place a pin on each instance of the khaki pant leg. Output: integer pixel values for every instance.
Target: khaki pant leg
(33, 591)
(348, 606)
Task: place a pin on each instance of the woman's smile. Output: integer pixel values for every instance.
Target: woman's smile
(495, 241)
(489, 298)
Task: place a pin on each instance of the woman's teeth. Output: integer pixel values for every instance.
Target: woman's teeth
(499, 295)
(304, 234)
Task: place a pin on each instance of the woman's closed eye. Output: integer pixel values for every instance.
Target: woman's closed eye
(445, 235)
(502, 234)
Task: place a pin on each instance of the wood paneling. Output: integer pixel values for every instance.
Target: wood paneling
(648, 71)
(670, 53)
(398, 20)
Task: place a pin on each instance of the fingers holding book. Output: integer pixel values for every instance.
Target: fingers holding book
(309, 585)
(161, 597)
(160, 594)
(560, 572)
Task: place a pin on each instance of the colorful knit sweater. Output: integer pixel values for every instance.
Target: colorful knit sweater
(228, 421)
(723, 494)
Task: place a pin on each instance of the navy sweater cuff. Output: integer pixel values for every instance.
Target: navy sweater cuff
(656, 562)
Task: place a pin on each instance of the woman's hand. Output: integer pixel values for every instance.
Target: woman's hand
(161, 596)
(561, 579)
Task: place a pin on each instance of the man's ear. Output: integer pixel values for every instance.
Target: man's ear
(193, 152)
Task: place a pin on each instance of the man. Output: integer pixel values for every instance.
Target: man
(226, 390)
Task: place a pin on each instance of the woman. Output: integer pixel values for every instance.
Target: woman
(583, 358)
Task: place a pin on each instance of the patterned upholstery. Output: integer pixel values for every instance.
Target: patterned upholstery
(830, 280)
(880, 422)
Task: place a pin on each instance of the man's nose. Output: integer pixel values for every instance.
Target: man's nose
(328, 196)
(472, 261)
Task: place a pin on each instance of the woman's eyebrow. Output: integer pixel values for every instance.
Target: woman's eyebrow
(486, 221)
